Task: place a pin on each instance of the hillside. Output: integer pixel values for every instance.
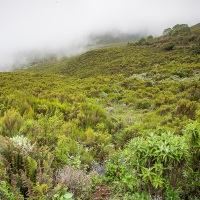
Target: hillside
(195, 29)
(113, 123)
(125, 60)
(129, 59)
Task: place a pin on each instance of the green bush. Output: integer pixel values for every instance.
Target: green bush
(142, 41)
(185, 108)
(168, 46)
(143, 104)
(192, 132)
(11, 123)
(150, 164)
(196, 49)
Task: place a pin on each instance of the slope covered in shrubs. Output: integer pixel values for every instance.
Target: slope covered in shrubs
(124, 118)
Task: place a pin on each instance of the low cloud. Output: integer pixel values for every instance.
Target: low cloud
(62, 27)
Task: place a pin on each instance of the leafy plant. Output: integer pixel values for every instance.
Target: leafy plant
(168, 46)
(150, 163)
(63, 195)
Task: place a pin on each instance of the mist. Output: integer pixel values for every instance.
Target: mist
(32, 29)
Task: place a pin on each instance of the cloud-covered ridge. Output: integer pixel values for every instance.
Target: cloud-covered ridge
(63, 27)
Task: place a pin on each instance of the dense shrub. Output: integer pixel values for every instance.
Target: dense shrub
(185, 107)
(11, 123)
(196, 49)
(150, 164)
(192, 131)
(168, 46)
(143, 104)
(29, 174)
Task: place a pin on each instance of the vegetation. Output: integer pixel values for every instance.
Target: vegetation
(123, 118)
(168, 46)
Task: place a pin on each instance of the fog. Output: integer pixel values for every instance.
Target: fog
(32, 29)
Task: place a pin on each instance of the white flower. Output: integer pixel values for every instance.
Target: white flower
(22, 142)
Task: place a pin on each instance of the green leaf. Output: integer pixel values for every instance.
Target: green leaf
(68, 195)
(56, 195)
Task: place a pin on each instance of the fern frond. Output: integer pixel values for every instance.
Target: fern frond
(27, 184)
(30, 167)
(39, 173)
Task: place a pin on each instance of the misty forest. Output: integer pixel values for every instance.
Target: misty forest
(121, 121)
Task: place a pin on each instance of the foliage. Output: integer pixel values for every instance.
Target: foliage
(11, 123)
(63, 195)
(6, 192)
(187, 108)
(75, 180)
(196, 49)
(178, 29)
(28, 172)
(192, 132)
(167, 31)
(150, 164)
(142, 41)
(168, 46)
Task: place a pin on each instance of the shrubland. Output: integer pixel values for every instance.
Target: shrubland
(124, 117)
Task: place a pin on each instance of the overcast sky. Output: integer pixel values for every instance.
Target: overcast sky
(51, 25)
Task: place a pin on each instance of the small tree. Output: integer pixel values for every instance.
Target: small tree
(142, 41)
(149, 38)
(179, 29)
(167, 31)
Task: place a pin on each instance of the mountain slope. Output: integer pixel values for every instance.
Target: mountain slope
(122, 118)
(125, 60)
(128, 59)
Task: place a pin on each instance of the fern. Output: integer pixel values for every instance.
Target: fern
(31, 167)
(39, 173)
